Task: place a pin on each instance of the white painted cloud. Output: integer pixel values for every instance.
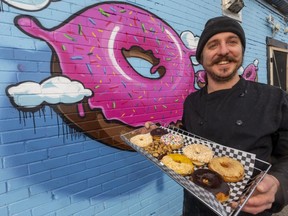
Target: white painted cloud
(52, 91)
(31, 5)
(191, 42)
(189, 39)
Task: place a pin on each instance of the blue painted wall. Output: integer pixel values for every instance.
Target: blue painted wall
(46, 168)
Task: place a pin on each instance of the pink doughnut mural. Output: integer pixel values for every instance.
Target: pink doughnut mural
(92, 48)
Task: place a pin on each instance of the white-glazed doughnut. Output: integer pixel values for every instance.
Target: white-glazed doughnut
(198, 153)
(142, 140)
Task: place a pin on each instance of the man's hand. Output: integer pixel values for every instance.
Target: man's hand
(263, 197)
(150, 125)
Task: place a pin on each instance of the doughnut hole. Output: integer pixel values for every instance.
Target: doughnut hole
(136, 54)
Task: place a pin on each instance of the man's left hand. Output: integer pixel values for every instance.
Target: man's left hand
(263, 196)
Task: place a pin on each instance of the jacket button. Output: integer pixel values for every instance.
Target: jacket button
(239, 122)
(243, 93)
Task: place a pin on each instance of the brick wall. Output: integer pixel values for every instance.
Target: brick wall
(48, 168)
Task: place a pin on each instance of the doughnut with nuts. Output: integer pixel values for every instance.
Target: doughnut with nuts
(158, 150)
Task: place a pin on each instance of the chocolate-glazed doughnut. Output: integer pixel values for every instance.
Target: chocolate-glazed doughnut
(157, 133)
(213, 182)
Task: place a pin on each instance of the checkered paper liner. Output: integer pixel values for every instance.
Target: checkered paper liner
(255, 170)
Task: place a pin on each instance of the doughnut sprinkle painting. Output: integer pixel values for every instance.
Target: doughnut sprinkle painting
(92, 48)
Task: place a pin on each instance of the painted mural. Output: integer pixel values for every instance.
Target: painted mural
(95, 84)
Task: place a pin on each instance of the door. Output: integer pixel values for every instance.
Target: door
(278, 66)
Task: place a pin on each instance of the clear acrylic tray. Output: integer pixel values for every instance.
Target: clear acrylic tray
(255, 170)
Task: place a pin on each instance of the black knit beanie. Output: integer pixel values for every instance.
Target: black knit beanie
(217, 25)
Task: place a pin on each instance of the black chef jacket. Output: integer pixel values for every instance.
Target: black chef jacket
(252, 117)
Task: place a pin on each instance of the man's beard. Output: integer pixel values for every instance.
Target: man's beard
(217, 78)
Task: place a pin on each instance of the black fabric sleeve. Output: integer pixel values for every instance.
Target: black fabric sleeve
(279, 161)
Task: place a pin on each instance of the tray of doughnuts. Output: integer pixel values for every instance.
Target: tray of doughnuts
(217, 175)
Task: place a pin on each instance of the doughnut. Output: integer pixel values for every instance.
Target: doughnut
(198, 153)
(180, 164)
(174, 140)
(158, 150)
(213, 182)
(93, 46)
(230, 169)
(201, 78)
(157, 133)
(142, 140)
(251, 71)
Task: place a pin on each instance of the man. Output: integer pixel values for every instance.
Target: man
(237, 113)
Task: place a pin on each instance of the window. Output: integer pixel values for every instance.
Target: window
(277, 63)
